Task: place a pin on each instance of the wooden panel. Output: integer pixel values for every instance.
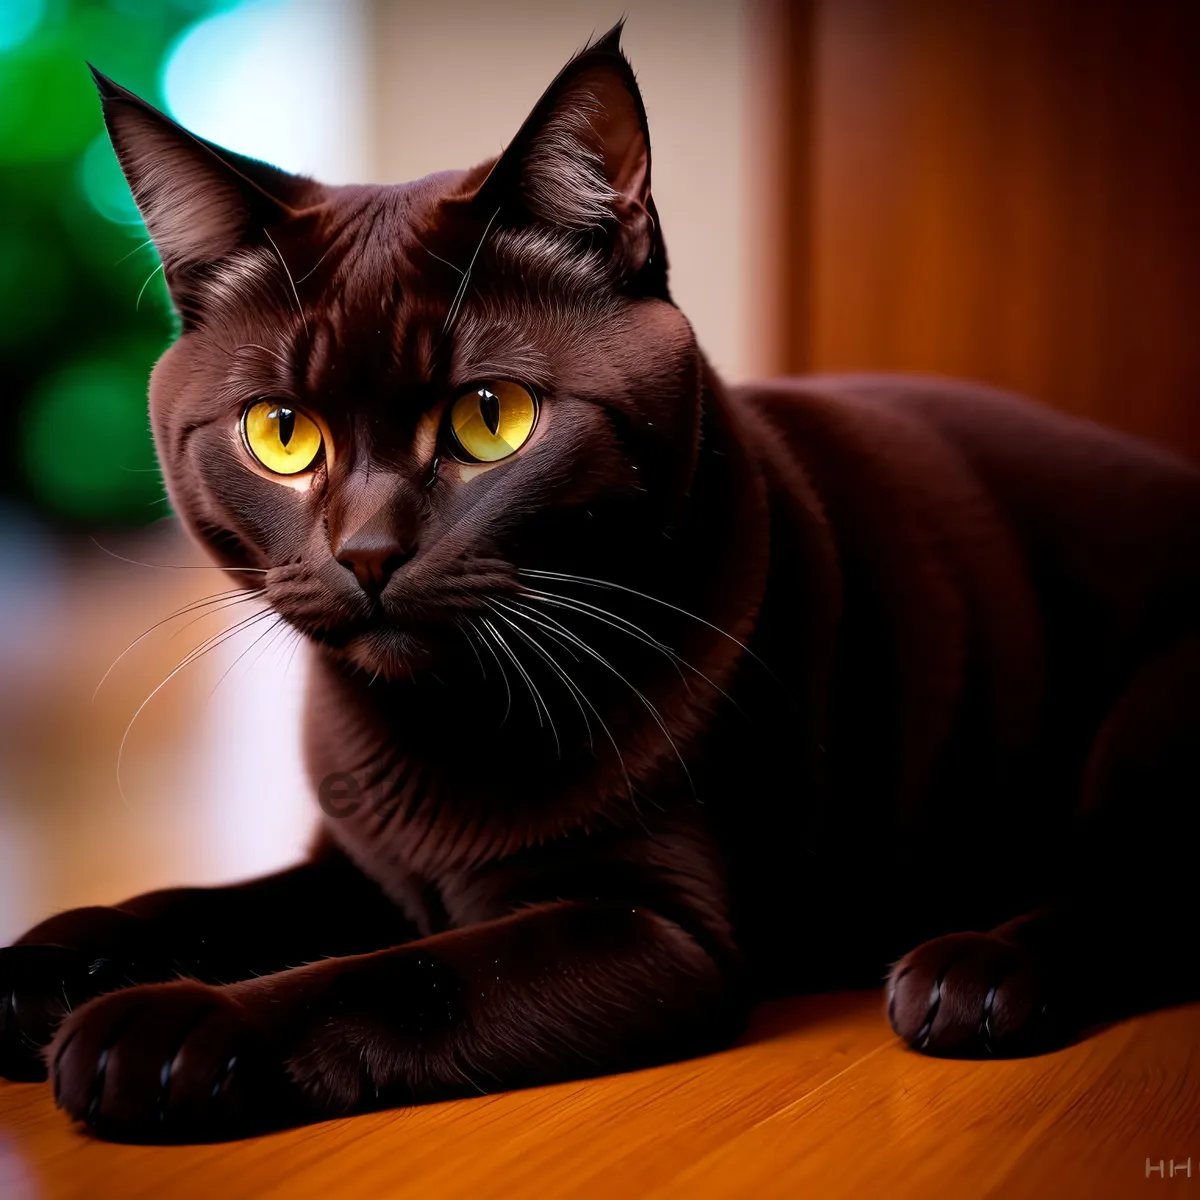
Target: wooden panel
(1008, 190)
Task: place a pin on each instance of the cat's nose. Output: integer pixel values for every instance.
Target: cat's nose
(373, 559)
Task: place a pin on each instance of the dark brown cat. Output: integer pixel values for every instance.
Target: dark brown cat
(632, 697)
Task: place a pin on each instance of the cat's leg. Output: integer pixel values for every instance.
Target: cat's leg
(1125, 941)
(322, 907)
(556, 991)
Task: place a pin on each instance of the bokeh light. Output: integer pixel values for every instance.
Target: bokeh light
(278, 80)
(18, 19)
(68, 280)
(84, 440)
(34, 272)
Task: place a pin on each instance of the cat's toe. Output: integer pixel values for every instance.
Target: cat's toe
(39, 985)
(166, 1062)
(972, 995)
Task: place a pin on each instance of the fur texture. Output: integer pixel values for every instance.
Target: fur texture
(701, 694)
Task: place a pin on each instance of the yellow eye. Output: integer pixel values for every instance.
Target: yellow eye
(283, 439)
(493, 421)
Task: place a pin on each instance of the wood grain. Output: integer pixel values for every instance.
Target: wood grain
(1003, 190)
(818, 1099)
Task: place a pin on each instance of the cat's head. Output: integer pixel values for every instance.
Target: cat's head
(393, 399)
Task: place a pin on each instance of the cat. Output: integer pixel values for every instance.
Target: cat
(633, 697)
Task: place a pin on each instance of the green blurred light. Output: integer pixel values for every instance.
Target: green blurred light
(104, 185)
(33, 282)
(18, 20)
(85, 445)
(49, 106)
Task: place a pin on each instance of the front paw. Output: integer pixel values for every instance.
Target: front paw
(167, 1062)
(39, 985)
(971, 995)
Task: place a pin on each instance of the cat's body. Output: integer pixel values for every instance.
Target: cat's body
(902, 556)
(684, 695)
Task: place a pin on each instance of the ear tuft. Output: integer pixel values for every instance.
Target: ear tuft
(581, 160)
(566, 179)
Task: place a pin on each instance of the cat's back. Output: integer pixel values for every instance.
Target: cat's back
(1117, 516)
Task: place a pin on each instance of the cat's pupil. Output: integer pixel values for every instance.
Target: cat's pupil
(287, 424)
(489, 408)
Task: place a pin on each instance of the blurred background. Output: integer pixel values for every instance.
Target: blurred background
(1005, 191)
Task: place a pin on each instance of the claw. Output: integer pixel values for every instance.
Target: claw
(935, 1002)
(96, 1088)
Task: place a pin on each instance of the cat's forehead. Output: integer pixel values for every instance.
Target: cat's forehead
(389, 243)
(361, 252)
(386, 292)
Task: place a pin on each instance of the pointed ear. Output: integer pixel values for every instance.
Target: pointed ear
(199, 201)
(581, 160)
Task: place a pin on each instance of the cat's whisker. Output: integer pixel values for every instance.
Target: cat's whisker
(547, 657)
(459, 296)
(503, 673)
(291, 281)
(192, 656)
(138, 304)
(539, 702)
(558, 639)
(654, 713)
(564, 577)
(463, 629)
(313, 269)
(627, 626)
(250, 594)
(617, 623)
(177, 566)
(457, 270)
(213, 600)
(535, 695)
(271, 631)
(297, 642)
(139, 246)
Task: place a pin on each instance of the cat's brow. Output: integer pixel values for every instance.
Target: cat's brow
(496, 341)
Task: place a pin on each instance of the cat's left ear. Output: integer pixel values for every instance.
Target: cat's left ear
(581, 160)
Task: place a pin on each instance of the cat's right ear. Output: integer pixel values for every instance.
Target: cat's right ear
(200, 202)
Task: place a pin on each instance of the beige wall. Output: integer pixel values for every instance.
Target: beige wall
(452, 81)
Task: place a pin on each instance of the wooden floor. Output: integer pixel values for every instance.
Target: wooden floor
(818, 1100)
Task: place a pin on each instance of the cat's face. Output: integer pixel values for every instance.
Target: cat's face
(393, 399)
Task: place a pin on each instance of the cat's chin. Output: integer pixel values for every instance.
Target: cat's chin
(387, 653)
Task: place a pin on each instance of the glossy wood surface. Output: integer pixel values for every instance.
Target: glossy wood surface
(818, 1100)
